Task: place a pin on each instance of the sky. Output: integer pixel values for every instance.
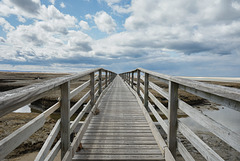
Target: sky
(174, 37)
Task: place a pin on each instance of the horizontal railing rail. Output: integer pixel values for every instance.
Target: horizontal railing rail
(15, 99)
(139, 80)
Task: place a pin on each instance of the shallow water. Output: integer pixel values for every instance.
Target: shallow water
(225, 116)
(24, 109)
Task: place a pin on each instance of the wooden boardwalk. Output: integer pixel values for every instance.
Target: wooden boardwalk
(120, 131)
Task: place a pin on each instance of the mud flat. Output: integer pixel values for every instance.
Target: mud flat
(11, 122)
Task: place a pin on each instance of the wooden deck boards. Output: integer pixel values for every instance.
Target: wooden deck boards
(120, 131)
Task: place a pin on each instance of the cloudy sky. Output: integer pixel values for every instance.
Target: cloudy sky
(175, 37)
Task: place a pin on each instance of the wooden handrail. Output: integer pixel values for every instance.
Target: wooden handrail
(219, 94)
(14, 99)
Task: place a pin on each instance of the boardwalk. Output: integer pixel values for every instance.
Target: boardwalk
(120, 131)
(123, 128)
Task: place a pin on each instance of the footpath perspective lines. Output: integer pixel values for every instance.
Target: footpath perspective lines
(120, 131)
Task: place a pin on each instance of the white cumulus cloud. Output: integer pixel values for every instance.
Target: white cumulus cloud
(105, 22)
(84, 25)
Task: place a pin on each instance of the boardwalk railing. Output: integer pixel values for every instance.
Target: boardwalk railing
(174, 127)
(15, 99)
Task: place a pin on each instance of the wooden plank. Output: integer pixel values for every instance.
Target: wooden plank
(227, 135)
(79, 89)
(118, 131)
(106, 79)
(86, 137)
(53, 153)
(107, 146)
(172, 118)
(146, 84)
(132, 79)
(120, 142)
(100, 82)
(159, 104)
(48, 143)
(13, 140)
(51, 109)
(65, 118)
(119, 152)
(138, 82)
(79, 117)
(92, 89)
(119, 157)
(202, 147)
(183, 151)
(118, 128)
(79, 103)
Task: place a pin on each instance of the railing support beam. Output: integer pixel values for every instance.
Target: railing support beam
(172, 112)
(132, 79)
(92, 89)
(106, 79)
(146, 84)
(138, 82)
(100, 82)
(65, 118)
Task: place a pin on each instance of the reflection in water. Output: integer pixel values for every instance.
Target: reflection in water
(24, 109)
(225, 116)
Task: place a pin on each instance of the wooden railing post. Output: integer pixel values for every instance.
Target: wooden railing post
(132, 79)
(65, 118)
(129, 78)
(92, 89)
(146, 84)
(100, 82)
(138, 82)
(110, 76)
(106, 78)
(172, 118)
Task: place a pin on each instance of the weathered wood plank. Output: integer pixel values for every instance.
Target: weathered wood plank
(138, 82)
(120, 142)
(79, 103)
(48, 143)
(53, 153)
(172, 117)
(65, 118)
(79, 89)
(79, 117)
(119, 152)
(106, 146)
(86, 137)
(202, 147)
(146, 84)
(13, 140)
(100, 82)
(119, 134)
(119, 157)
